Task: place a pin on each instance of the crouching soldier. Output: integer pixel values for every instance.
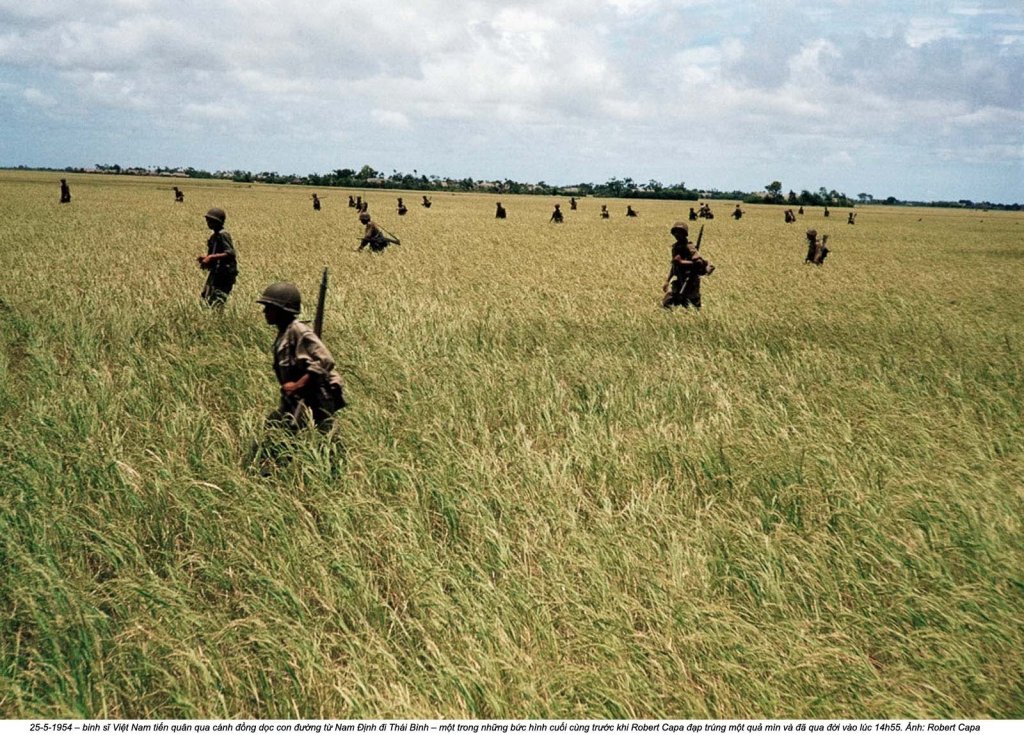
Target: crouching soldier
(682, 287)
(311, 389)
(373, 235)
(220, 260)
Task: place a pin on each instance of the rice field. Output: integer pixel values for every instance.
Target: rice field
(548, 497)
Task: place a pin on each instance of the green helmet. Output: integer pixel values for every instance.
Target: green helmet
(283, 295)
(218, 214)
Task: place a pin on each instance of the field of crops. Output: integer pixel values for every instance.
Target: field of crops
(549, 497)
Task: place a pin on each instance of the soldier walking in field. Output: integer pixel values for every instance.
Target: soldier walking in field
(65, 192)
(373, 235)
(557, 217)
(682, 287)
(351, 202)
(499, 212)
(801, 210)
(692, 215)
(604, 211)
(572, 203)
(850, 218)
(790, 217)
(816, 249)
(402, 209)
(179, 195)
(630, 212)
(737, 213)
(311, 389)
(220, 260)
(826, 211)
(316, 203)
(426, 201)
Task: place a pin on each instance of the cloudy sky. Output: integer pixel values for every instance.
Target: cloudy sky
(921, 100)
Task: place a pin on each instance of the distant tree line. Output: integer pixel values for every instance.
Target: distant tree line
(369, 178)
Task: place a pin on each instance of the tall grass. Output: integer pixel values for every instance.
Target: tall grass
(548, 497)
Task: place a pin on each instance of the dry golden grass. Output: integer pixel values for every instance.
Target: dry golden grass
(548, 498)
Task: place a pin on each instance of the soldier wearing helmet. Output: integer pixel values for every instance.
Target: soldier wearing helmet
(220, 260)
(402, 209)
(373, 235)
(65, 192)
(817, 250)
(557, 217)
(311, 388)
(499, 212)
(682, 287)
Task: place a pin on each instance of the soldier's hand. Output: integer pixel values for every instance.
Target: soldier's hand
(664, 289)
(290, 388)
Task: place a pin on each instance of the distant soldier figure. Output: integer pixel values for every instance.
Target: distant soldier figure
(351, 202)
(402, 209)
(65, 192)
(801, 210)
(682, 287)
(179, 195)
(572, 203)
(311, 388)
(499, 212)
(816, 249)
(220, 260)
(705, 211)
(373, 235)
(826, 210)
(604, 211)
(790, 217)
(557, 217)
(737, 213)
(359, 204)
(850, 218)
(426, 201)
(316, 203)
(630, 212)
(364, 207)
(693, 215)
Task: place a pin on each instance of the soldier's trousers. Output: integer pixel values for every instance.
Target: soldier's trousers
(686, 296)
(217, 288)
(317, 407)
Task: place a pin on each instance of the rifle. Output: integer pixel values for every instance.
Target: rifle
(318, 320)
(700, 236)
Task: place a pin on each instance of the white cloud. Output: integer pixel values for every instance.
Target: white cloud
(559, 76)
(39, 99)
(391, 119)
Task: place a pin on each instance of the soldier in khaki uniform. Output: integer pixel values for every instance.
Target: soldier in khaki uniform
(817, 250)
(373, 235)
(220, 260)
(682, 287)
(311, 388)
